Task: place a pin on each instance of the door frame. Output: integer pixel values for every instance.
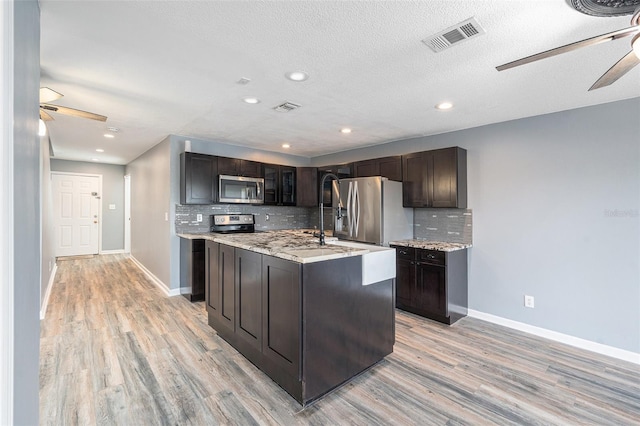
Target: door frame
(100, 196)
(127, 214)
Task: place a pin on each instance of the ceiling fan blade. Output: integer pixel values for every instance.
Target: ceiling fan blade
(573, 46)
(73, 112)
(49, 95)
(621, 67)
(44, 116)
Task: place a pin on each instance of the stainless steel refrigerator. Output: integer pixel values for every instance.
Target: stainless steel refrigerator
(369, 210)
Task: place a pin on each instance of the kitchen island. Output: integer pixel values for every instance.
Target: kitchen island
(311, 317)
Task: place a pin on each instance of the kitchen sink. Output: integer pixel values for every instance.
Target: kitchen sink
(379, 264)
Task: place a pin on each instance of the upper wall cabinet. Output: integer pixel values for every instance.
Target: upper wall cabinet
(307, 186)
(279, 185)
(198, 178)
(238, 167)
(435, 178)
(389, 167)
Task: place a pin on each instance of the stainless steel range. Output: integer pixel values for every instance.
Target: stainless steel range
(232, 223)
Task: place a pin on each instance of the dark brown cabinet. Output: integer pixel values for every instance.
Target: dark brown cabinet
(389, 167)
(432, 283)
(192, 269)
(279, 185)
(239, 167)
(253, 301)
(220, 285)
(198, 178)
(307, 187)
(248, 298)
(435, 178)
(281, 314)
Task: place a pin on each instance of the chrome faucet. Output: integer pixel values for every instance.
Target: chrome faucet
(324, 178)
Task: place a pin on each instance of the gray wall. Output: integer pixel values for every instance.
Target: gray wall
(26, 210)
(46, 239)
(151, 234)
(555, 202)
(112, 193)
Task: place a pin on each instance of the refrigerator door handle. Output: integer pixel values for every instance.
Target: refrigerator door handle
(349, 221)
(356, 209)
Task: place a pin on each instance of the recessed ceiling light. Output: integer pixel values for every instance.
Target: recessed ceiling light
(251, 100)
(99, 150)
(94, 159)
(109, 135)
(286, 145)
(444, 105)
(297, 75)
(345, 130)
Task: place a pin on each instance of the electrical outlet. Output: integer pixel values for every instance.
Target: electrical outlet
(199, 217)
(166, 217)
(528, 301)
(266, 217)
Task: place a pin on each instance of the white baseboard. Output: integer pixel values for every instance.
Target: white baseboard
(47, 293)
(157, 281)
(119, 251)
(560, 337)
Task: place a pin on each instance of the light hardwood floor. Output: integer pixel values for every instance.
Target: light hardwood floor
(115, 350)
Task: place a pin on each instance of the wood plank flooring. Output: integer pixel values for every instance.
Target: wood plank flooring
(116, 351)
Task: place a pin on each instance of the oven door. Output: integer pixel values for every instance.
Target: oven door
(239, 189)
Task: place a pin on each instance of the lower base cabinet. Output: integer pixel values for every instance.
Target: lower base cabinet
(432, 283)
(345, 329)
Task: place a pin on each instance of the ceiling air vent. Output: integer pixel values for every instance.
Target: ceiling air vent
(453, 35)
(286, 107)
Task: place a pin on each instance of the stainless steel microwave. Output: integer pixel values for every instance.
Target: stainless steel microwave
(239, 189)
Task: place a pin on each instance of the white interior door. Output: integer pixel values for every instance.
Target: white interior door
(76, 207)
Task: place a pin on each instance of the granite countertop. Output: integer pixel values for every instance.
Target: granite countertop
(431, 245)
(295, 244)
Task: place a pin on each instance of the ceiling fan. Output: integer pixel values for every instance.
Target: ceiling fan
(621, 67)
(48, 95)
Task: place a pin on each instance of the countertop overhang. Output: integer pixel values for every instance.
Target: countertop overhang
(295, 245)
(431, 245)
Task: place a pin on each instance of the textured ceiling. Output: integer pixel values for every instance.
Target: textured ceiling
(171, 67)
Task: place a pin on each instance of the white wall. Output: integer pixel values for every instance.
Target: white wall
(555, 203)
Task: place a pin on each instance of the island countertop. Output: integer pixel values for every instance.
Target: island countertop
(295, 245)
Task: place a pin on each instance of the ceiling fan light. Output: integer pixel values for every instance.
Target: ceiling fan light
(42, 128)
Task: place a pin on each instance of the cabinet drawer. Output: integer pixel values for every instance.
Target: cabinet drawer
(431, 256)
(405, 253)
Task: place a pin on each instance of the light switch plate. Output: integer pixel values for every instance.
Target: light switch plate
(112, 206)
(199, 217)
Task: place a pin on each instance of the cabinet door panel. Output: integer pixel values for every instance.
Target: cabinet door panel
(281, 307)
(391, 168)
(198, 178)
(288, 186)
(306, 186)
(271, 177)
(366, 168)
(445, 180)
(405, 282)
(227, 286)
(249, 296)
(212, 280)
(431, 294)
(228, 166)
(250, 168)
(414, 180)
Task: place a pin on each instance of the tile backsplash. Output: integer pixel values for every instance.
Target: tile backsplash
(447, 225)
(280, 217)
